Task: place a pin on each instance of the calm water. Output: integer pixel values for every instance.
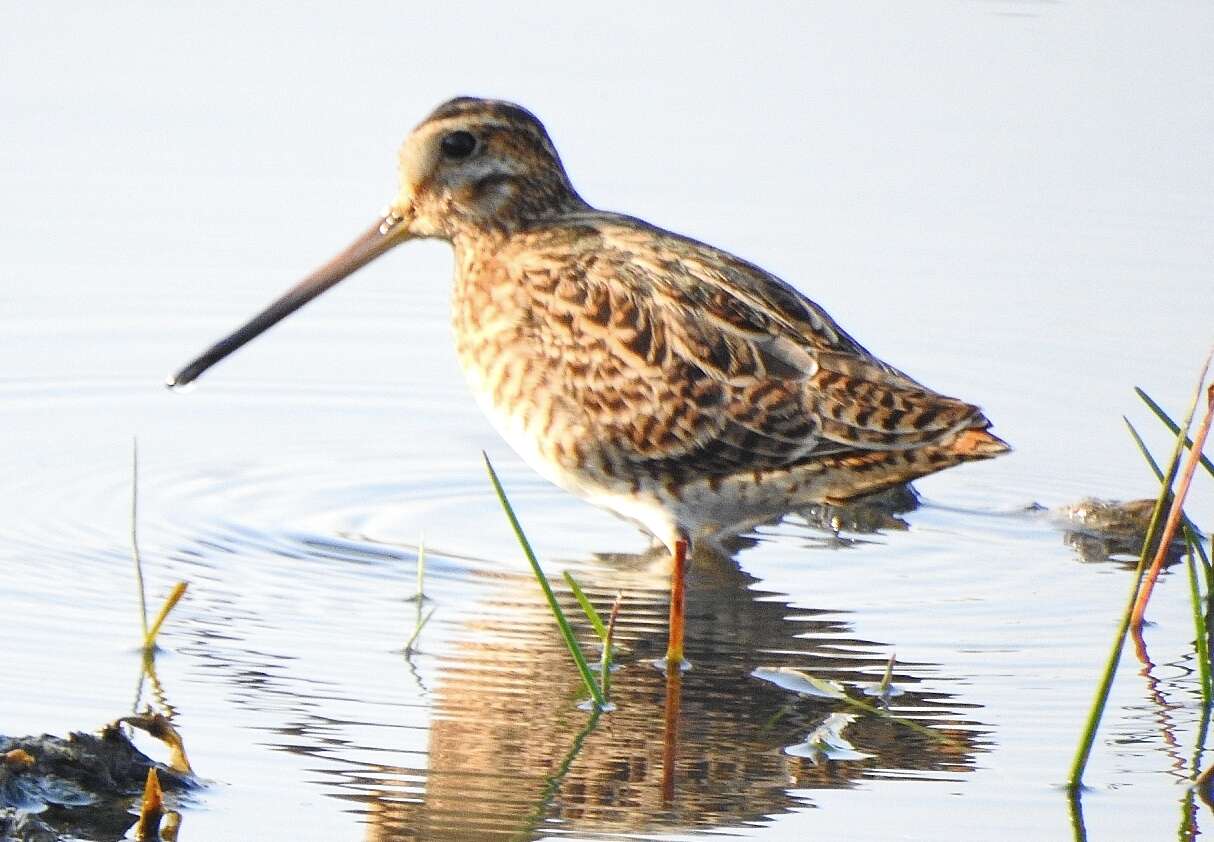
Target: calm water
(1011, 201)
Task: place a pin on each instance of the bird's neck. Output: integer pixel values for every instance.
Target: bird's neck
(485, 237)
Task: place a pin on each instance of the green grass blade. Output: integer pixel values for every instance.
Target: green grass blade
(1199, 626)
(605, 668)
(592, 615)
(1191, 532)
(417, 630)
(566, 630)
(1173, 426)
(1074, 801)
(1088, 737)
(1203, 729)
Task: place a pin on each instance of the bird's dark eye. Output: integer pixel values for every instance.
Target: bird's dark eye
(458, 145)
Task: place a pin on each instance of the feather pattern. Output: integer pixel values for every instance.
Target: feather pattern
(663, 348)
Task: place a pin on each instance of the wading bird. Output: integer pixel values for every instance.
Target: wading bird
(656, 376)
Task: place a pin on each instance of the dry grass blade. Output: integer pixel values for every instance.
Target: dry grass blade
(887, 680)
(151, 809)
(170, 602)
(159, 726)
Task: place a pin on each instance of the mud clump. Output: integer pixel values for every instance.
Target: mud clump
(82, 786)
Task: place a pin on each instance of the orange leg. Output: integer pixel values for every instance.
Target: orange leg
(674, 647)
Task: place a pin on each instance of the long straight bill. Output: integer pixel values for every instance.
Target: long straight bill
(386, 233)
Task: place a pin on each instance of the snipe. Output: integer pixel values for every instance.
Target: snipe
(661, 378)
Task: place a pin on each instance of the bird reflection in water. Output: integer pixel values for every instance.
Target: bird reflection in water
(511, 756)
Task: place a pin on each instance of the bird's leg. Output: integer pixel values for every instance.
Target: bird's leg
(674, 646)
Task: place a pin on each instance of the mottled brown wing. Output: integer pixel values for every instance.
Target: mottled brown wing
(682, 356)
(742, 295)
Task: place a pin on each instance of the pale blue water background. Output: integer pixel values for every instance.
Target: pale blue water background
(1012, 201)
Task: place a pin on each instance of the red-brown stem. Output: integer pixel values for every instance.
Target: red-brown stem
(611, 620)
(1174, 515)
(670, 732)
(608, 638)
(674, 646)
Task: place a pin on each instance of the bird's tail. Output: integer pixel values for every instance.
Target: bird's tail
(978, 443)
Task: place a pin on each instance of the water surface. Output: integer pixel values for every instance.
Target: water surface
(1011, 201)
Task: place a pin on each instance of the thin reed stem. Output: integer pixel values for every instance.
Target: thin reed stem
(587, 607)
(417, 630)
(421, 569)
(1199, 627)
(143, 601)
(606, 656)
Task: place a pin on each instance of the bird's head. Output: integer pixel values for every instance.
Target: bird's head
(474, 167)
(479, 165)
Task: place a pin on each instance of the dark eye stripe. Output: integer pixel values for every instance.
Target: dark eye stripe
(457, 145)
